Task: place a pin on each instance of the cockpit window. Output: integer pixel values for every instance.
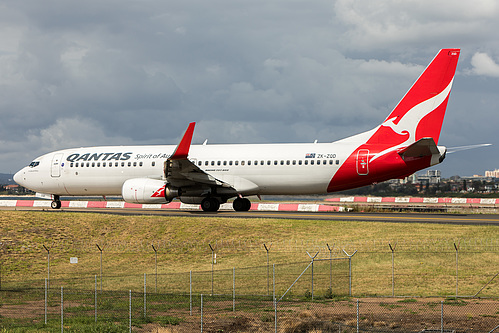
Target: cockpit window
(34, 164)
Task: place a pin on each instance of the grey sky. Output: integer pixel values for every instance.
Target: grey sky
(137, 72)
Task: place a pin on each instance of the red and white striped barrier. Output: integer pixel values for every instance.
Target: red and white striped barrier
(413, 200)
(296, 207)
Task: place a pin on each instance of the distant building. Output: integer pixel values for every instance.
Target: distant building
(492, 174)
(430, 177)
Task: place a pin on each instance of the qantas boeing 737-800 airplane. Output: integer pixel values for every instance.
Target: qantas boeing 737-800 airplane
(211, 174)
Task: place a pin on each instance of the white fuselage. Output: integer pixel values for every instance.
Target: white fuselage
(250, 168)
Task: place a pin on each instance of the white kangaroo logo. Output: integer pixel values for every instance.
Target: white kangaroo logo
(410, 121)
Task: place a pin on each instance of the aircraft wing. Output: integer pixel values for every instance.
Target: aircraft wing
(180, 171)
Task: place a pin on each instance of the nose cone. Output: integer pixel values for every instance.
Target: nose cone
(18, 177)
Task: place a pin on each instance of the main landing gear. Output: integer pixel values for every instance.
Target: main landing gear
(56, 203)
(241, 204)
(211, 204)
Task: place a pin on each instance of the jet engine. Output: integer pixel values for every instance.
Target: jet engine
(148, 191)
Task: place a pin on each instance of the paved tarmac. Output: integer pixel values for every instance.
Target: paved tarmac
(443, 218)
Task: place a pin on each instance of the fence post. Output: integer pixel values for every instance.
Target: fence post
(312, 271)
(201, 313)
(442, 316)
(233, 289)
(393, 267)
(190, 293)
(212, 264)
(330, 267)
(457, 267)
(155, 267)
(46, 295)
(62, 309)
(1, 263)
(100, 266)
(357, 315)
(349, 271)
(273, 297)
(130, 311)
(145, 293)
(268, 275)
(48, 265)
(95, 297)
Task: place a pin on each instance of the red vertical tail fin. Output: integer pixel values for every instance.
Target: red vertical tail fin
(421, 111)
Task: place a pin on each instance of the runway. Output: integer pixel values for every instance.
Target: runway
(461, 219)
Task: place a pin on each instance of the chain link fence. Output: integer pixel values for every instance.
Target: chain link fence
(122, 311)
(40, 287)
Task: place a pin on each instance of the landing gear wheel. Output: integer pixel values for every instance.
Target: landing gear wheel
(210, 204)
(56, 204)
(241, 205)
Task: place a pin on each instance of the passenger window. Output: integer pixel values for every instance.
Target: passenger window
(275, 162)
(236, 162)
(88, 164)
(282, 162)
(212, 163)
(122, 164)
(230, 162)
(140, 164)
(129, 164)
(219, 163)
(98, 164)
(76, 164)
(306, 162)
(242, 162)
(268, 162)
(337, 162)
(288, 162)
(71, 165)
(330, 162)
(294, 162)
(299, 162)
(312, 162)
(134, 164)
(153, 163)
(262, 162)
(225, 162)
(200, 163)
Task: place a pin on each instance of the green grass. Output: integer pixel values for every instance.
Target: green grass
(424, 254)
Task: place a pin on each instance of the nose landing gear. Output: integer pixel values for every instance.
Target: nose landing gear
(56, 203)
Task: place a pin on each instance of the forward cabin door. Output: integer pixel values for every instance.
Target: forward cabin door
(363, 162)
(55, 170)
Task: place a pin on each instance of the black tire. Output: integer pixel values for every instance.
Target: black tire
(210, 204)
(241, 205)
(55, 204)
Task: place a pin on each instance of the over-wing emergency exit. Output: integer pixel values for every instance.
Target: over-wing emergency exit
(209, 175)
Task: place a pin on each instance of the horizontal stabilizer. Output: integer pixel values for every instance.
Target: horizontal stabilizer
(422, 147)
(456, 149)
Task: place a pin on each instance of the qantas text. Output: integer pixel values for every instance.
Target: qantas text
(99, 157)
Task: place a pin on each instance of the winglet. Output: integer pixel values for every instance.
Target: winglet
(183, 147)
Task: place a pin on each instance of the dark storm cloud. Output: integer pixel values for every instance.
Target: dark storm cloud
(121, 72)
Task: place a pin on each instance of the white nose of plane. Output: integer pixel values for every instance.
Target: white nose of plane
(18, 177)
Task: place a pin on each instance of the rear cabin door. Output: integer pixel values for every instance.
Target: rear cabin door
(363, 162)
(55, 170)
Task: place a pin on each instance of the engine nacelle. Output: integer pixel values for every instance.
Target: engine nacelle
(148, 191)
